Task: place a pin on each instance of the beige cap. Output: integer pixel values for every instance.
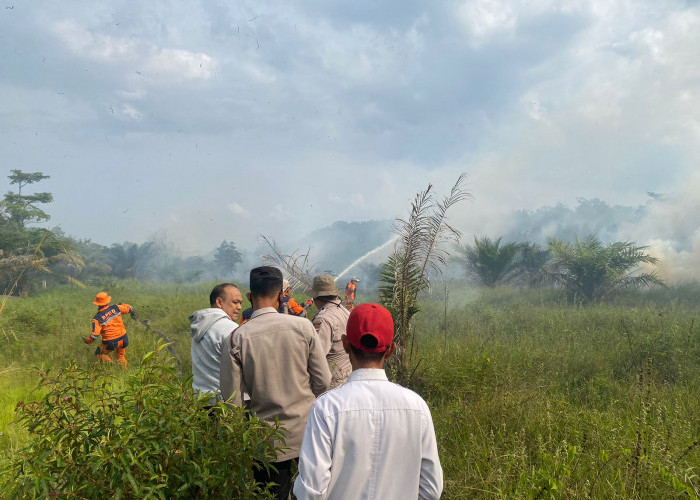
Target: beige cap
(323, 285)
(285, 285)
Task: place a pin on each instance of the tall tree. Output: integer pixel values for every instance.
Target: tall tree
(22, 209)
(591, 271)
(227, 257)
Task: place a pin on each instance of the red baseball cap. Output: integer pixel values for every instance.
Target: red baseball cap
(372, 320)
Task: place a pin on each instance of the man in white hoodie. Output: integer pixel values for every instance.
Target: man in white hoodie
(210, 328)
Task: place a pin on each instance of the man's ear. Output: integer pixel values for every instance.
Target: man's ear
(218, 302)
(247, 296)
(389, 351)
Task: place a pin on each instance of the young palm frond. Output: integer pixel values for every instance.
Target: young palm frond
(439, 232)
(295, 266)
(420, 249)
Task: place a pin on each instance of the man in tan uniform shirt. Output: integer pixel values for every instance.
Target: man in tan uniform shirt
(330, 324)
(278, 361)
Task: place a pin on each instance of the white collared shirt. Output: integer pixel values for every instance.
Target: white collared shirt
(369, 439)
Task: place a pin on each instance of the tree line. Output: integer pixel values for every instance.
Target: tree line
(30, 255)
(33, 256)
(588, 269)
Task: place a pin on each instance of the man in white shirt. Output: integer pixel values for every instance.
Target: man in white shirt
(210, 327)
(369, 438)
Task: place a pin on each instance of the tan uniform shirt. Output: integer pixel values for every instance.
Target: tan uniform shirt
(330, 324)
(278, 361)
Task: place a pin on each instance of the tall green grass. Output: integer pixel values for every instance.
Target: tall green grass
(531, 397)
(536, 399)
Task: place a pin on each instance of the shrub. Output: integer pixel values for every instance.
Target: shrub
(95, 435)
(32, 321)
(591, 271)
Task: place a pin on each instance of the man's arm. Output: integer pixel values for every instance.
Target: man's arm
(230, 371)
(430, 483)
(314, 459)
(124, 308)
(96, 331)
(127, 309)
(296, 308)
(323, 328)
(317, 365)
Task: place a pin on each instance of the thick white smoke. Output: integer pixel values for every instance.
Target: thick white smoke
(671, 228)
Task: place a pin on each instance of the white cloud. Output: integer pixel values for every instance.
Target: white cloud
(131, 112)
(349, 200)
(487, 19)
(281, 213)
(362, 54)
(155, 65)
(257, 72)
(237, 209)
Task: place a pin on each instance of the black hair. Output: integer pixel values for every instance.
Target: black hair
(369, 341)
(219, 291)
(265, 281)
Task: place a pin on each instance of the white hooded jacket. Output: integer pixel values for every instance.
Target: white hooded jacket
(210, 328)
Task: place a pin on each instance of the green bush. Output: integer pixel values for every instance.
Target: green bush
(97, 435)
(32, 321)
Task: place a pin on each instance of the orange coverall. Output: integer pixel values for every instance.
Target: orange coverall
(295, 308)
(108, 323)
(350, 296)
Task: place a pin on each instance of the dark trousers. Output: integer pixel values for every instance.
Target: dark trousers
(282, 478)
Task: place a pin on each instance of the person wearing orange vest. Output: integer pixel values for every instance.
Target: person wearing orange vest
(290, 306)
(108, 323)
(350, 293)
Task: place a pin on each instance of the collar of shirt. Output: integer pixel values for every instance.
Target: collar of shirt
(367, 374)
(264, 310)
(334, 302)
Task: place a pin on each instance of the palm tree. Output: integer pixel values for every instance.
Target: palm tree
(419, 250)
(131, 260)
(591, 271)
(489, 263)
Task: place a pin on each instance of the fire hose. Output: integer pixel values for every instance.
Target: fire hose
(167, 339)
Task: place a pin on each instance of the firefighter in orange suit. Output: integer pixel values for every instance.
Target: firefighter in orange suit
(290, 306)
(350, 293)
(108, 323)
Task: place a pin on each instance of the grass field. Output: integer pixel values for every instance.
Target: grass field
(531, 397)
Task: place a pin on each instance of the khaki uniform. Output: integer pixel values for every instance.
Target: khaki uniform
(278, 361)
(330, 324)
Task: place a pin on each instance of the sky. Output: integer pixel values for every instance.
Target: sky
(212, 120)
